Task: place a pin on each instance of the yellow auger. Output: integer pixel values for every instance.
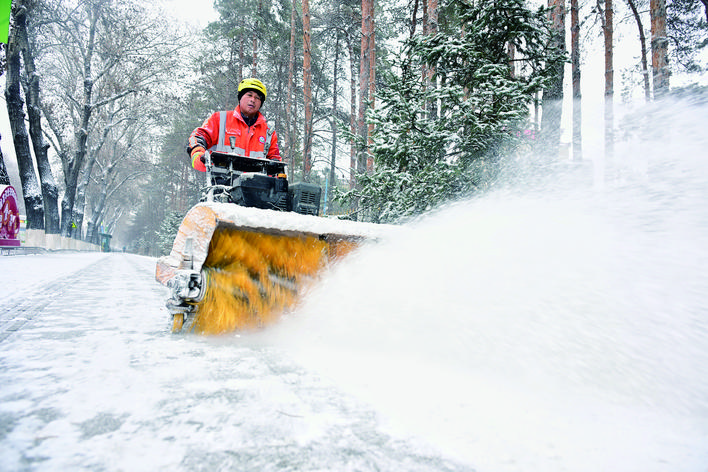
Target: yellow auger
(233, 268)
(246, 254)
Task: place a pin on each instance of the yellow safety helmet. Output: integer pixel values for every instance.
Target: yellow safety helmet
(252, 84)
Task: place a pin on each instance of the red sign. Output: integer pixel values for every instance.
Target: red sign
(9, 217)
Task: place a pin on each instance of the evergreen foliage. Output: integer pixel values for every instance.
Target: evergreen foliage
(436, 140)
(687, 28)
(168, 231)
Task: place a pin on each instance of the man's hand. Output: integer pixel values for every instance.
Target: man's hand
(198, 153)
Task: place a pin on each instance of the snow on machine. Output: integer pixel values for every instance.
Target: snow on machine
(245, 254)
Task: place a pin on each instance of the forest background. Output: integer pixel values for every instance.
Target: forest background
(394, 107)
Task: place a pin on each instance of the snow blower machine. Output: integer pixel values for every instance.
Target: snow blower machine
(246, 252)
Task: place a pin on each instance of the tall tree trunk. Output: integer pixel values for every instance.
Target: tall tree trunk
(113, 219)
(659, 48)
(254, 68)
(553, 95)
(608, 30)
(290, 117)
(511, 52)
(414, 19)
(256, 35)
(50, 191)
(15, 110)
(432, 30)
(372, 80)
(232, 71)
(241, 22)
(352, 112)
(74, 167)
(335, 94)
(643, 44)
(307, 90)
(296, 132)
(575, 73)
(365, 80)
(80, 202)
(241, 57)
(93, 227)
(426, 25)
(77, 215)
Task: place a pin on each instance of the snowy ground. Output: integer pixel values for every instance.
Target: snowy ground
(92, 379)
(381, 369)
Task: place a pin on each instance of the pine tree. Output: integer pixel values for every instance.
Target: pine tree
(423, 159)
(168, 231)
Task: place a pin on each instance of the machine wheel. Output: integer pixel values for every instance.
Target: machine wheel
(177, 322)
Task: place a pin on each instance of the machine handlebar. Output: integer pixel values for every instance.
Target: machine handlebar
(246, 164)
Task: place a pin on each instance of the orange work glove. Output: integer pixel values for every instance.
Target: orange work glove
(197, 153)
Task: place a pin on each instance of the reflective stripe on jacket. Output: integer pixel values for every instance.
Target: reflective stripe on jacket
(226, 131)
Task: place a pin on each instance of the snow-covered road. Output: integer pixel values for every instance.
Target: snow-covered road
(92, 379)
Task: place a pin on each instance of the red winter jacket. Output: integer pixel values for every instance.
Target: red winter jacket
(249, 141)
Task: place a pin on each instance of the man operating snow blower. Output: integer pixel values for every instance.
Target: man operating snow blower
(248, 251)
(245, 129)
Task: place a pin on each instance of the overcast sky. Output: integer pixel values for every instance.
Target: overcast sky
(197, 13)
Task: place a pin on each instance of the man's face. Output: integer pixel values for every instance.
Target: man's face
(250, 103)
